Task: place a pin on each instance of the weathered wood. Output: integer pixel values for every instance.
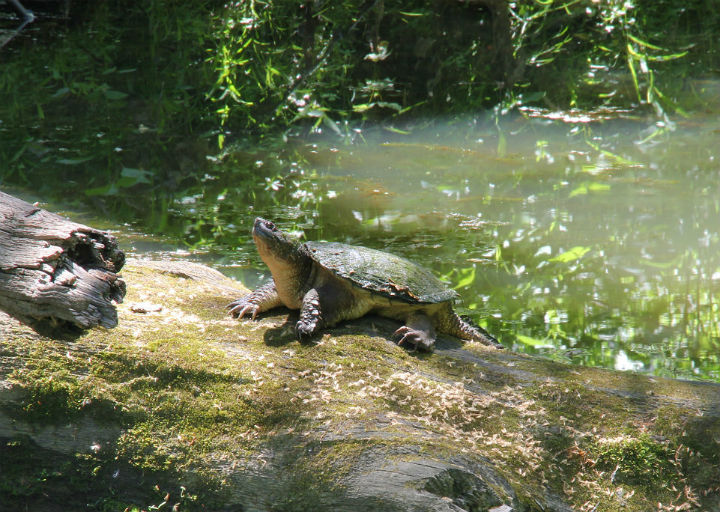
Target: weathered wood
(54, 271)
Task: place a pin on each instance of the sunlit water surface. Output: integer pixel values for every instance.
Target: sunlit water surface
(592, 238)
(586, 240)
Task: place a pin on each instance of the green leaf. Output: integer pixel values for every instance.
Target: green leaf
(585, 188)
(73, 161)
(363, 107)
(660, 265)
(501, 145)
(331, 124)
(580, 191)
(19, 153)
(130, 177)
(391, 105)
(115, 95)
(643, 43)
(60, 92)
(598, 187)
(533, 342)
(107, 190)
(573, 254)
(633, 73)
(669, 56)
(392, 129)
(617, 158)
(467, 280)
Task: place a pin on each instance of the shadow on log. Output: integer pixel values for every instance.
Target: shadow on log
(56, 274)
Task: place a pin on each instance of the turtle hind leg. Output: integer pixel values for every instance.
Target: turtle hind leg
(479, 334)
(464, 329)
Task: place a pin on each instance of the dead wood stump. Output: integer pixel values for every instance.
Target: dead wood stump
(55, 272)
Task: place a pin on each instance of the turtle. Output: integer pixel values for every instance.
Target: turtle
(330, 282)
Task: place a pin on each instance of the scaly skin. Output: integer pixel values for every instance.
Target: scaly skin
(465, 331)
(311, 316)
(259, 301)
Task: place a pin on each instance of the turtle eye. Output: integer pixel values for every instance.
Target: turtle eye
(271, 226)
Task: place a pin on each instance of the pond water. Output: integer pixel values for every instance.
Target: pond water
(592, 238)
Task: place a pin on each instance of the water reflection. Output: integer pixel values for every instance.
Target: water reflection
(584, 238)
(589, 238)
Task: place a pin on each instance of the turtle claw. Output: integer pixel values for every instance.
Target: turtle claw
(419, 339)
(304, 331)
(241, 307)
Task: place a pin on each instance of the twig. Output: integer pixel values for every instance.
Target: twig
(27, 17)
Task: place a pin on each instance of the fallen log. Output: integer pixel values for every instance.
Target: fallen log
(185, 406)
(55, 272)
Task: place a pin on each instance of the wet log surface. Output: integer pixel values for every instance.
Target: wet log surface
(56, 273)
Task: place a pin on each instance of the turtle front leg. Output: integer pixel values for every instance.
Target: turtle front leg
(259, 301)
(311, 316)
(418, 330)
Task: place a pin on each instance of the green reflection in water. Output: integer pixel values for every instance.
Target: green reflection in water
(580, 242)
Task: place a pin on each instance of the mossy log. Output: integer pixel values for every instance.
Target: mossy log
(182, 405)
(55, 271)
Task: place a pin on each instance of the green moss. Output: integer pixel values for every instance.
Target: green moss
(34, 478)
(638, 460)
(191, 389)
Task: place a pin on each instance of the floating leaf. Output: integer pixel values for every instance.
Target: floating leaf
(533, 342)
(573, 254)
(598, 187)
(74, 161)
(580, 191)
(589, 187)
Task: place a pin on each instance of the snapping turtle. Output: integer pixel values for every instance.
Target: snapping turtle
(330, 282)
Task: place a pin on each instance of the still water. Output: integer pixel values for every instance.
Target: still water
(593, 239)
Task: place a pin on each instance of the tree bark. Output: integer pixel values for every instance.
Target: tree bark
(55, 272)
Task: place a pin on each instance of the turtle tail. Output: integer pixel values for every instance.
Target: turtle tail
(464, 328)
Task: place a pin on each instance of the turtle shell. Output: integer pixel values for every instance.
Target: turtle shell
(381, 272)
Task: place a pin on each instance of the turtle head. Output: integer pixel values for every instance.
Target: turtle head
(273, 243)
(286, 258)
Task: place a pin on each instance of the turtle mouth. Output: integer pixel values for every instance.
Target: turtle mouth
(264, 228)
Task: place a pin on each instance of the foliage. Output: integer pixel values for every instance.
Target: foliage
(278, 63)
(107, 107)
(635, 460)
(165, 83)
